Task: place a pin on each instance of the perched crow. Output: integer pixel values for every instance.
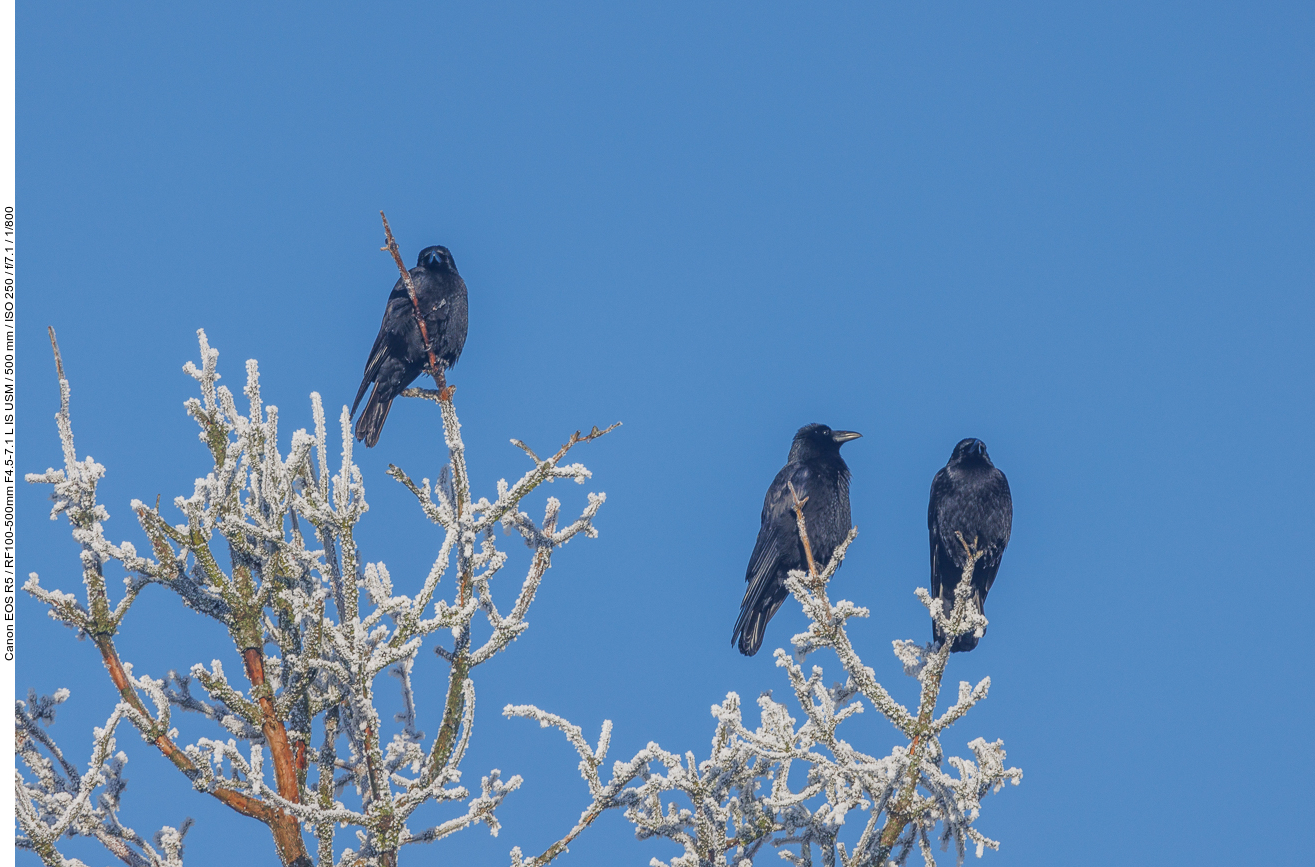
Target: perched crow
(971, 496)
(399, 354)
(817, 472)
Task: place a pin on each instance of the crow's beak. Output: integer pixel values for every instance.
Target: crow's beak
(844, 436)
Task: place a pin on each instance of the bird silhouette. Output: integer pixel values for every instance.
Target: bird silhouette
(399, 353)
(971, 497)
(820, 475)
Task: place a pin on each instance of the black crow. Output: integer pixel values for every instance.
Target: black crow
(818, 473)
(399, 353)
(971, 496)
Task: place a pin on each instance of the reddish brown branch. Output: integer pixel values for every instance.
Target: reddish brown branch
(434, 369)
(285, 829)
(803, 532)
(110, 656)
(280, 751)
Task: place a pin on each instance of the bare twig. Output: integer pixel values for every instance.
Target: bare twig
(59, 362)
(529, 451)
(803, 531)
(971, 550)
(434, 370)
(576, 437)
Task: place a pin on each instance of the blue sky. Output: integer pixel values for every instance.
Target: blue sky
(1082, 234)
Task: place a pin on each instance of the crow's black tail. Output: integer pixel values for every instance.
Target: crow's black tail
(371, 422)
(756, 609)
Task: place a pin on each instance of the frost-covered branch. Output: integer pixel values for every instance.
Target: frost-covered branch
(265, 545)
(57, 802)
(605, 795)
(793, 783)
(74, 495)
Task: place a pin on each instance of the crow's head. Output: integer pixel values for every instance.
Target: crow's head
(436, 259)
(817, 440)
(971, 450)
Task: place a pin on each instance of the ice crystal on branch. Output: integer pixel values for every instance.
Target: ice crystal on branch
(58, 802)
(266, 547)
(741, 801)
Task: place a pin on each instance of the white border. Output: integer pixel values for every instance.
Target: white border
(9, 479)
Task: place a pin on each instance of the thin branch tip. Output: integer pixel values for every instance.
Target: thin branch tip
(54, 345)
